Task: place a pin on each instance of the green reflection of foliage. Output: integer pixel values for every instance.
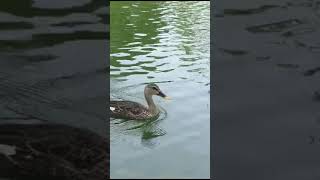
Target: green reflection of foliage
(132, 22)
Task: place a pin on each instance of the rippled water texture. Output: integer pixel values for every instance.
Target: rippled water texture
(167, 43)
(51, 55)
(46, 67)
(266, 78)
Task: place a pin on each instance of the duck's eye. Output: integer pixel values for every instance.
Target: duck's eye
(155, 88)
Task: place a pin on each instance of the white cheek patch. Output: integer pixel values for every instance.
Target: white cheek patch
(112, 109)
(7, 150)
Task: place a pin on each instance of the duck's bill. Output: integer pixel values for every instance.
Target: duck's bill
(167, 98)
(164, 96)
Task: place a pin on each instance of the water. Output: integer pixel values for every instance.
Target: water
(51, 53)
(167, 43)
(266, 83)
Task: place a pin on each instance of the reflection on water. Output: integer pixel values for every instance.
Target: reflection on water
(167, 43)
(175, 35)
(46, 70)
(266, 89)
(146, 129)
(36, 40)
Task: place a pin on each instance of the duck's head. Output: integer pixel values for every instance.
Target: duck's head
(153, 89)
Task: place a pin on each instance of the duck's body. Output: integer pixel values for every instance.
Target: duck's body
(134, 111)
(130, 110)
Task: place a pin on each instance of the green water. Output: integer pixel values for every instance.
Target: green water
(167, 43)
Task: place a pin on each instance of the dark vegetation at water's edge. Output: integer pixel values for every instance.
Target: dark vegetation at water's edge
(52, 151)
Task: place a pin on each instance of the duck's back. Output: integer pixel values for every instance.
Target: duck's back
(128, 110)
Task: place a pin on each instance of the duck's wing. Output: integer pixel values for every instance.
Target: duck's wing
(126, 109)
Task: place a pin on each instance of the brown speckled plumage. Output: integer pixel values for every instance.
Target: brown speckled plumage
(135, 111)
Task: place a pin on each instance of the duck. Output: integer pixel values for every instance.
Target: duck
(130, 110)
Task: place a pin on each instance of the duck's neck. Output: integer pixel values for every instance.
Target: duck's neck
(151, 106)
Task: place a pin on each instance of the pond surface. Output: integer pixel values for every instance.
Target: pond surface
(266, 108)
(51, 55)
(167, 43)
